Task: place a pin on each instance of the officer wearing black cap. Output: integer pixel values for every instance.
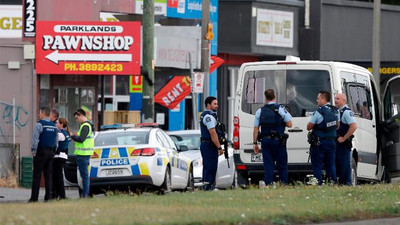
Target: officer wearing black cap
(323, 124)
(44, 144)
(210, 146)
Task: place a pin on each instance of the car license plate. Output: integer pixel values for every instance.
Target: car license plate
(114, 172)
(256, 157)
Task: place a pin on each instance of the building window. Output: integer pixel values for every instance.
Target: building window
(122, 85)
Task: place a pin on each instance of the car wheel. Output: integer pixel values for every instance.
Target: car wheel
(80, 192)
(234, 181)
(166, 186)
(190, 185)
(354, 179)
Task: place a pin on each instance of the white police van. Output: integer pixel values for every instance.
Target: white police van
(297, 84)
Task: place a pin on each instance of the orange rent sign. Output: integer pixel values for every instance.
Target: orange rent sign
(173, 92)
(69, 47)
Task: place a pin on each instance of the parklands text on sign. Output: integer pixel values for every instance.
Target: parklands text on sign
(64, 47)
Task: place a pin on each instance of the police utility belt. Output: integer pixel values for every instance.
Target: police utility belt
(316, 141)
(205, 140)
(51, 149)
(274, 136)
(348, 143)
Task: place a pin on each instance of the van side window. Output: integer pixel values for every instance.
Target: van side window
(296, 89)
(356, 88)
(359, 100)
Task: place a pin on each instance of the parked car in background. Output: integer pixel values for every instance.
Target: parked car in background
(143, 157)
(191, 138)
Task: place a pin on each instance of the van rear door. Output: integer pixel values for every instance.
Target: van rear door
(391, 126)
(296, 87)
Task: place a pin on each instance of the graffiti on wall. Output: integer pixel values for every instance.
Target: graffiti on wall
(7, 120)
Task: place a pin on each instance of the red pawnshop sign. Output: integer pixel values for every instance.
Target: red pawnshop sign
(69, 47)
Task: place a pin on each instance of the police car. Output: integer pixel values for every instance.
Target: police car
(191, 138)
(137, 157)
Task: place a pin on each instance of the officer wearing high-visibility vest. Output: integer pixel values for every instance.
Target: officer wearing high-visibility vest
(323, 124)
(273, 118)
(44, 145)
(210, 146)
(84, 148)
(345, 134)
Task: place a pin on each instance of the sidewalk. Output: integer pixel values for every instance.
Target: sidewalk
(22, 195)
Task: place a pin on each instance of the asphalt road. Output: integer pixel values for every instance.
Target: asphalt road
(17, 195)
(385, 221)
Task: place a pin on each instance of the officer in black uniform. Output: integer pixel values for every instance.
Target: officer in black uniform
(210, 146)
(44, 144)
(323, 124)
(272, 118)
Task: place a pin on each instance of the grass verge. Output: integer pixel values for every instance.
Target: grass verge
(281, 205)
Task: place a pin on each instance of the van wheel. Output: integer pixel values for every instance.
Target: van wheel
(386, 177)
(241, 180)
(354, 179)
(166, 186)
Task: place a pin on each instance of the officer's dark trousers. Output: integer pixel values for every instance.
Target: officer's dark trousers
(43, 161)
(210, 163)
(343, 169)
(324, 153)
(273, 151)
(58, 178)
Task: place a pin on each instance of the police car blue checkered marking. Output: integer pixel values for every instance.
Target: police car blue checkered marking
(159, 162)
(93, 171)
(122, 152)
(135, 169)
(105, 153)
(183, 165)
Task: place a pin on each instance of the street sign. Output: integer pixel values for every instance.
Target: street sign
(173, 92)
(67, 47)
(198, 81)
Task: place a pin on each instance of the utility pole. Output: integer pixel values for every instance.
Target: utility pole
(148, 61)
(205, 48)
(376, 45)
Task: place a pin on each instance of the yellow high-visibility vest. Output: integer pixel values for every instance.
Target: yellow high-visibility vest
(86, 147)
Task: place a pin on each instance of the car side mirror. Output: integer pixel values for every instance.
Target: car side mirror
(183, 148)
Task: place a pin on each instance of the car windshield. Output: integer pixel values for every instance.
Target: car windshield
(192, 141)
(122, 138)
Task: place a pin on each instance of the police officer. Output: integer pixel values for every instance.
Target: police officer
(323, 124)
(54, 114)
(44, 144)
(343, 146)
(272, 118)
(60, 158)
(210, 146)
(84, 148)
